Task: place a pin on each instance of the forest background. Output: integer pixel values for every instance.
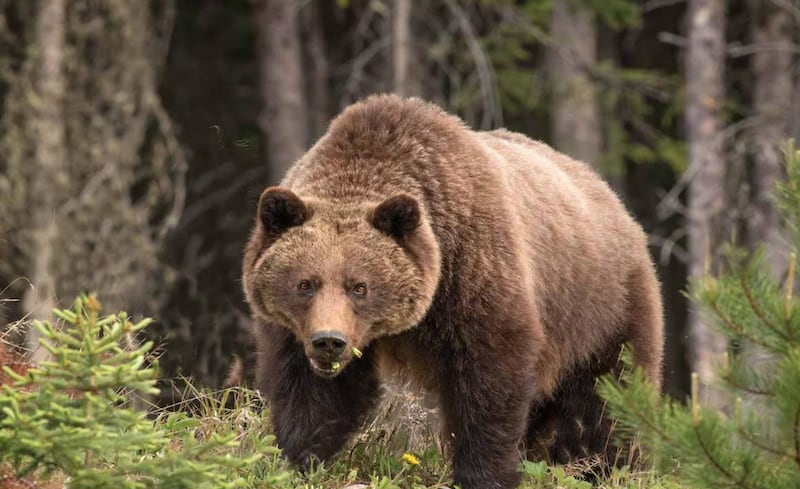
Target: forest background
(136, 136)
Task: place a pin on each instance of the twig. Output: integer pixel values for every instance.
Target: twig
(492, 111)
(645, 419)
(670, 202)
(714, 461)
(212, 199)
(736, 328)
(760, 445)
(757, 309)
(180, 164)
(749, 390)
(738, 51)
(791, 7)
(356, 68)
(672, 39)
(669, 246)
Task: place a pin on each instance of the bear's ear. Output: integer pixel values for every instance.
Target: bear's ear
(279, 209)
(397, 216)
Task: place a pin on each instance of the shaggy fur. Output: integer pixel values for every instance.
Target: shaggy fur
(498, 274)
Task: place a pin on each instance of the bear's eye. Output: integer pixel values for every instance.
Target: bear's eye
(305, 287)
(360, 289)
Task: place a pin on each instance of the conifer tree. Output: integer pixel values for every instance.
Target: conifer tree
(754, 442)
(68, 417)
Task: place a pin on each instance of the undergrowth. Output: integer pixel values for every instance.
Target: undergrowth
(71, 422)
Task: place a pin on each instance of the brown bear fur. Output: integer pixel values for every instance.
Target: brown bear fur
(499, 274)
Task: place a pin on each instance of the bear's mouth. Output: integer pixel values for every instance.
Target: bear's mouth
(325, 369)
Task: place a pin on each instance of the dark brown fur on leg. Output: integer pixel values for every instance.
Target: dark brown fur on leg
(487, 435)
(572, 424)
(485, 395)
(313, 417)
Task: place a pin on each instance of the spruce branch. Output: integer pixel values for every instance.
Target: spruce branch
(735, 328)
(761, 446)
(69, 415)
(750, 390)
(757, 309)
(709, 449)
(722, 470)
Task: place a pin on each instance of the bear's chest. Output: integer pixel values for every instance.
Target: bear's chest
(402, 366)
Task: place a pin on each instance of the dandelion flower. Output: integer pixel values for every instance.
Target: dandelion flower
(411, 459)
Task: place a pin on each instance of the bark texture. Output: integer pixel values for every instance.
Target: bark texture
(705, 66)
(316, 60)
(283, 118)
(773, 73)
(575, 119)
(92, 158)
(406, 80)
(48, 177)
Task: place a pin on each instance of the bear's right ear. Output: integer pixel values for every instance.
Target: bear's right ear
(397, 216)
(280, 209)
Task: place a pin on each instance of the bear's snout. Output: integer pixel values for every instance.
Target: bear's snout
(328, 344)
(328, 353)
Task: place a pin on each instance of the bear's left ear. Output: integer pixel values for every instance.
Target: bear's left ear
(280, 209)
(397, 216)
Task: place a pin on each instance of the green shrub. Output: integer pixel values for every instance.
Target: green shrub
(69, 416)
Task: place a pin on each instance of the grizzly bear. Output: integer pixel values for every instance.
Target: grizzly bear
(497, 274)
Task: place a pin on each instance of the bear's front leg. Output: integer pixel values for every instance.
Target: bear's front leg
(486, 406)
(313, 417)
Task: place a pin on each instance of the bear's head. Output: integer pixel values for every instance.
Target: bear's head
(340, 274)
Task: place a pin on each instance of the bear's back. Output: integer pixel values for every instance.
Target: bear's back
(580, 243)
(503, 207)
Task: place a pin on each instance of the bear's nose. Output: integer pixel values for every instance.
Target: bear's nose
(329, 343)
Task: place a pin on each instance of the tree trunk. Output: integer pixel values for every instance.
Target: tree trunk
(772, 67)
(50, 161)
(795, 121)
(406, 81)
(283, 119)
(316, 60)
(92, 157)
(705, 66)
(573, 51)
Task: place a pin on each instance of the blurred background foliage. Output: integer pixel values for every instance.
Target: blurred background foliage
(136, 136)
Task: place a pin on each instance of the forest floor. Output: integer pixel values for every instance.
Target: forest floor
(397, 449)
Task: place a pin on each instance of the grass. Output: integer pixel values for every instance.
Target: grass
(397, 449)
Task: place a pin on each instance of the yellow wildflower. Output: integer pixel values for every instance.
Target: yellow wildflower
(411, 459)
